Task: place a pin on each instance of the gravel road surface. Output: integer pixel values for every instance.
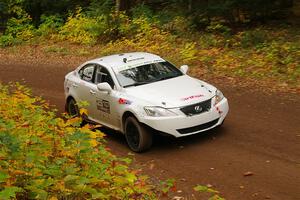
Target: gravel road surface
(260, 138)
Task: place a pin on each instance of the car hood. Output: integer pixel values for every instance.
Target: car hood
(175, 92)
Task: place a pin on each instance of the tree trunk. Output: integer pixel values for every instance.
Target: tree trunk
(118, 5)
(190, 5)
(122, 5)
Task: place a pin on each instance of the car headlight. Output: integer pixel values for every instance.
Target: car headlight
(158, 112)
(219, 96)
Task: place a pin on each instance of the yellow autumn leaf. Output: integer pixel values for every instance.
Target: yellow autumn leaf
(74, 120)
(60, 186)
(94, 135)
(67, 153)
(93, 143)
(83, 111)
(19, 172)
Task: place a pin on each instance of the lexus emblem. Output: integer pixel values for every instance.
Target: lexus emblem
(198, 108)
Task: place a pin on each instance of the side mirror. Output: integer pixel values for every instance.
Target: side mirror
(104, 87)
(184, 69)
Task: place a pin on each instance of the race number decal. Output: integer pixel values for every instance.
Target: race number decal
(103, 105)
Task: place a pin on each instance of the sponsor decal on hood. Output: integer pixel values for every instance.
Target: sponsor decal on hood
(192, 97)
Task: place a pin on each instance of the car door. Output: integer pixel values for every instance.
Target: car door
(105, 110)
(86, 87)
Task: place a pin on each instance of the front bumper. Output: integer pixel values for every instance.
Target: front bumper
(182, 125)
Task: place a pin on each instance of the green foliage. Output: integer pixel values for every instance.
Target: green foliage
(49, 25)
(283, 58)
(198, 13)
(218, 27)
(167, 185)
(201, 188)
(82, 29)
(76, 30)
(209, 40)
(146, 38)
(37, 8)
(14, 7)
(7, 40)
(56, 49)
(100, 7)
(20, 28)
(189, 52)
(252, 38)
(44, 157)
(142, 10)
(10, 192)
(260, 52)
(179, 25)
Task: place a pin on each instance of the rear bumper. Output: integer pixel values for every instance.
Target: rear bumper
(183, 125)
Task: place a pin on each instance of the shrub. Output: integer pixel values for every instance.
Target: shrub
(189, 52)
(49, 25)
(142, 10)
(252, 38)
(283, 57)
(152, 40)
(44, 157)
(217, 26)
(119, 25)
(141, 25)
(100, 7)
(7, 40)
(83, 30)
(179, 25)
(20, 28)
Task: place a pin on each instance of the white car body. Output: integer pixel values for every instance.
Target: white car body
(191, 105)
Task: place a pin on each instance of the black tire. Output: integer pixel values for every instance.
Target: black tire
(138, 137)
(72, 108)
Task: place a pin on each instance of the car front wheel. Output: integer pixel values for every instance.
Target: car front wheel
(138, 137)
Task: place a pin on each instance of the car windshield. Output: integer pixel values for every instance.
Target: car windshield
(148, 73)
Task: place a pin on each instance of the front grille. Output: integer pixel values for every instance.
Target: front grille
(197, 108)
(198, 128)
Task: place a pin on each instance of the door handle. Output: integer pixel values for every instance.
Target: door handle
(75, 85)
(92, 92)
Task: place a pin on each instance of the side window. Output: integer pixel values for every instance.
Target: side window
(87, 72)
(103, 75)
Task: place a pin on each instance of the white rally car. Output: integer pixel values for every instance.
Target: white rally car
(137, 92)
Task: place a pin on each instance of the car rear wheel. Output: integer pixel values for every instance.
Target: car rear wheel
(138, 137)
(72, 108)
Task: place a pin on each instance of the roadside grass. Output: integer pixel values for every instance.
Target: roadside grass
(268, 55)
(56, 49)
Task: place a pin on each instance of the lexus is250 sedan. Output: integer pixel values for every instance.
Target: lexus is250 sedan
(134, 93)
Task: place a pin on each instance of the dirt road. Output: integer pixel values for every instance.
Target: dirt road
(261, 135)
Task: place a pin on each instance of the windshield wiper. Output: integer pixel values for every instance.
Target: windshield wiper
(146, 82)
(136, 84)
(166, 77)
